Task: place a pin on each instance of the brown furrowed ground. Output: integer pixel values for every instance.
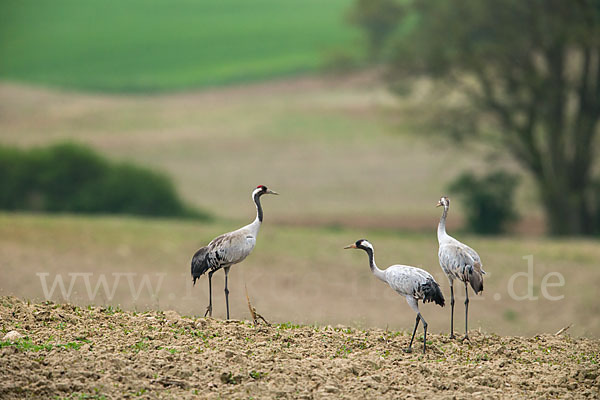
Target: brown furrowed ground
(99, 352)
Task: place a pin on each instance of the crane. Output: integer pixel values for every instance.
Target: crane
(228, 249)
(458, 261)
(413, 283)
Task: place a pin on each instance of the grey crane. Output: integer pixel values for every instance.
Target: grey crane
(228, 249)
(458, 261)
(413, 283)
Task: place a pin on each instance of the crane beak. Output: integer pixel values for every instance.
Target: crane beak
(351, 246)
(439, 204)
(269, 191)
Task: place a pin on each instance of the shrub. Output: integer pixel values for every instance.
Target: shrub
(488, 200)
(73, 178)
(15, 179)
(62, 174)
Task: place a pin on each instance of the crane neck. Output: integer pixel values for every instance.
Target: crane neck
(374, 269)
(259, 210)
(441, 232)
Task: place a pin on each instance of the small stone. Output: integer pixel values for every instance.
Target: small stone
(12, 336)
(331, 389)
(201, 324)
(63, 386)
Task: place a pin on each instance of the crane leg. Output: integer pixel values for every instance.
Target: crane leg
(209, 308)
(424, 333)
(466, 313)
(226, 291)
(451, 310)
(409, 350)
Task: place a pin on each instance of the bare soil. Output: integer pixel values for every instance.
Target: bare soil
(99, 352)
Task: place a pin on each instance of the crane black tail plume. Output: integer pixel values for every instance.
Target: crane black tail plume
(200, 263)
(475, 276)
(432, 292)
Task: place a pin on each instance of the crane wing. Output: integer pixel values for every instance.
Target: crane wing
(462, 262)
(231, 248)
(200, 263)
(472, 253)
(453, 258)
(225, 250)
(404, 278)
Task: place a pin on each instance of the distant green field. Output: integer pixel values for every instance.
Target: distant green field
(159, 45)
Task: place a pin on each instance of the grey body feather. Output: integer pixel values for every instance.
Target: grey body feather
(413, 282)
(459, 261)
(224, 251)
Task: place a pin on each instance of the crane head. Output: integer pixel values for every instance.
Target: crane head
(262, 189)
(444, 202)
(360, 244)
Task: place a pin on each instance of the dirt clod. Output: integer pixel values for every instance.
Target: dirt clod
(12, 336)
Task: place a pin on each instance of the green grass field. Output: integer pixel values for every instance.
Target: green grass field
(157, 45)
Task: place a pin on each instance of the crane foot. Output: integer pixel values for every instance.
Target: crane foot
(407, 350)
(466, 337)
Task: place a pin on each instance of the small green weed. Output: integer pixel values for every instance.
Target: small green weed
(257, 374)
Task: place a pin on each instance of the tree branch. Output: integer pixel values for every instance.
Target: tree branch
(583, 128)
(555, 119)
(520, 139)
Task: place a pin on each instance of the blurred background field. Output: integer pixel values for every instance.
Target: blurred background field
(337, 146)
(297, 274)
(224, 95)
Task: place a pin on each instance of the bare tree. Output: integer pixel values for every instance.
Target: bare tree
(533, 65)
